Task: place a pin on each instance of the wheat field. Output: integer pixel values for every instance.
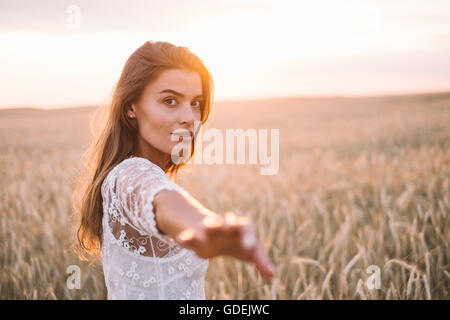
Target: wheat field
(362, 182)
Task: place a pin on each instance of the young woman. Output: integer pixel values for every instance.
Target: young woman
(153, 237)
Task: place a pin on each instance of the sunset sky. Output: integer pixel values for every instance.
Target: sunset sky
(254, 48)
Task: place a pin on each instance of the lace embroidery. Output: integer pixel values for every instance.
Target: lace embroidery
(139, 261)
(131, 211)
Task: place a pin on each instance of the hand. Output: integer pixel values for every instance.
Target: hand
(233, 236)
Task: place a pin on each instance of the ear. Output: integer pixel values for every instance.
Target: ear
(131, 111)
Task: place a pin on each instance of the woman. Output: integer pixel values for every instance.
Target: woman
(153, 237)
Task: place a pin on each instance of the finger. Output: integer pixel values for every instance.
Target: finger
(232, 224)
(212, 224)
(242, 221)
(246, 231)
(237, 224)
(248, 241)
(262, 262)
(212, 221)
(188, 239)
(230, 218)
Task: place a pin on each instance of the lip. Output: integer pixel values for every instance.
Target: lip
(183, 134)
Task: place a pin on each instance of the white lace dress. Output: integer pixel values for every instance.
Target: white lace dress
(139, 262)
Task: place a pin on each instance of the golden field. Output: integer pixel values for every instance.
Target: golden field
(362, 181)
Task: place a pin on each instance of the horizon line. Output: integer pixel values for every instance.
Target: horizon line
(234, 100)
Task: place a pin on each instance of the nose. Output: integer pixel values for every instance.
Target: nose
(186, 116)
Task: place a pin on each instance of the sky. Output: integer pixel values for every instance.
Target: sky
(71, 53)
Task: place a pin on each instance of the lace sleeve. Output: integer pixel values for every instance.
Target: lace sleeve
(138, 182)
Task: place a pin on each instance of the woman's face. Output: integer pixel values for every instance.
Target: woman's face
(170, 103)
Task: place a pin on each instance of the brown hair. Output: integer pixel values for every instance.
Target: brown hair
(117, 138)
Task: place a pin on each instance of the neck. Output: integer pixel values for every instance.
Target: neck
(147, 151)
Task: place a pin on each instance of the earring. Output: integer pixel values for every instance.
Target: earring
(130, 116)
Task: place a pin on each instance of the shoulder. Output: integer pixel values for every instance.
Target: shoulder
(133, 167)
(137, 175)
(138, 163)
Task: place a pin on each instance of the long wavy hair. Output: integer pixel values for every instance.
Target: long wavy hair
(116, 139)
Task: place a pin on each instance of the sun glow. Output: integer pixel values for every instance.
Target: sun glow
(255, 49)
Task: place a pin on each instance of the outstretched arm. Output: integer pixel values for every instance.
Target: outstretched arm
(208, 234)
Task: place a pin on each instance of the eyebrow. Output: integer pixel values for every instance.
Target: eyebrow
(177, 93)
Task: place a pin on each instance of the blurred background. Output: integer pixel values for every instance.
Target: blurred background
(360, 91)
(65, 53)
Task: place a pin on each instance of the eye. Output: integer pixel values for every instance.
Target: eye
(170, 101)
(199, 103)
